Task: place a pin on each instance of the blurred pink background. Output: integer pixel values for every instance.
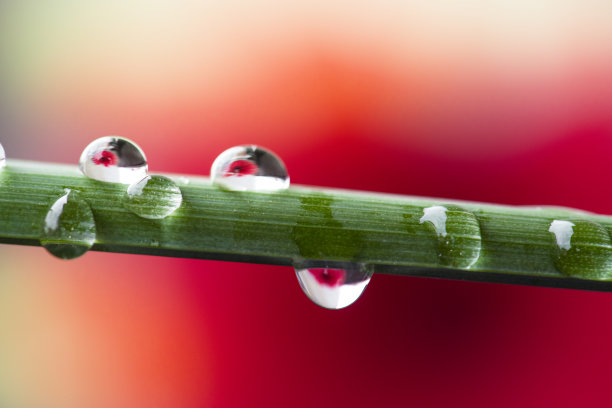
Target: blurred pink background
(499, 101)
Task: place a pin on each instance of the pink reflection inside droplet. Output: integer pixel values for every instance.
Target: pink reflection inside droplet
(105, 158)
(329, 277)
(241, 168)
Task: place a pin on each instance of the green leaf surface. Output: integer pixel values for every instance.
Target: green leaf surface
(396, 234)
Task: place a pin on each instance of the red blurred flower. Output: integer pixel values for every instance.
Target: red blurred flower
(241, 168)
(329, 277)
(105, 158)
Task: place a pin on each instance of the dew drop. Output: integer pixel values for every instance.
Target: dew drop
(582, 249)
(2, 157)
(153, 197)
(69, 229)
(249, 168)
(457, 231)
(333, 288)
(113, 159)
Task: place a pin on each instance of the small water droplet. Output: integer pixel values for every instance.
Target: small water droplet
(333, 288)
(249, 168)
(69, 228)
(583, 249)
(113, 159)
(153, 197)
(2, 157)
(458, 234)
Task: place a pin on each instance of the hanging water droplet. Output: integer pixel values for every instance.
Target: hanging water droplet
(249, 168)
(113, 159)
(333, 288)
(69, 229)
(583, 249)
(458, 234)
(153, 197)
(2, 157)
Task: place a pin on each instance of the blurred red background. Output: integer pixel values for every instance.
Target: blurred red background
(507, 102)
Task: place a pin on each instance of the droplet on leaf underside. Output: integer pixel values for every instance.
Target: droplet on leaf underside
(333, 288)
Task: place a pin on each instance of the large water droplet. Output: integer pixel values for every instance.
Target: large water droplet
(113, 159)
(458, 234)
(333, 288)
(69, 229)
(153, 197)
(2, 157)
(249, 168)
(583, 249)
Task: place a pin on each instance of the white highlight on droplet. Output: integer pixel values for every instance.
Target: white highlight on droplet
(55, 212)
(437, 216)
(2, 157)
(563, 231)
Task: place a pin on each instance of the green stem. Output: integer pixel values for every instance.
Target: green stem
(456, 240)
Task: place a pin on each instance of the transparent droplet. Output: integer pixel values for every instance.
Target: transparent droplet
(2, 157)
(69, 229)
(583, 249)
(249, 168)
(333, 288)
(457, 231)
(113, 159)
(153, 197)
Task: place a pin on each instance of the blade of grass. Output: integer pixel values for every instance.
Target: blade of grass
(333, 227)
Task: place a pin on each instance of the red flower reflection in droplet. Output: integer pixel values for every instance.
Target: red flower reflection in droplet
(241, 168)
(105, 158)
(329, 277)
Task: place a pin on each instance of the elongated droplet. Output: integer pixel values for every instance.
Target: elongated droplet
(458, 234)
(583, 249)
(154, 197)
(334, 288)
(113, 159)
(2, 157)
(69, 229)
(249, 168)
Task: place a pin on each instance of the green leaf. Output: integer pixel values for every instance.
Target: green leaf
(395, 234)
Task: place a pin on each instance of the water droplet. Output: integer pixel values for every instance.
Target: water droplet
(249, 168)
(69, 229)
(583, 249)
(2, 157)
(333, 288)
(153, 197)
(113, 159)
(458, 234)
